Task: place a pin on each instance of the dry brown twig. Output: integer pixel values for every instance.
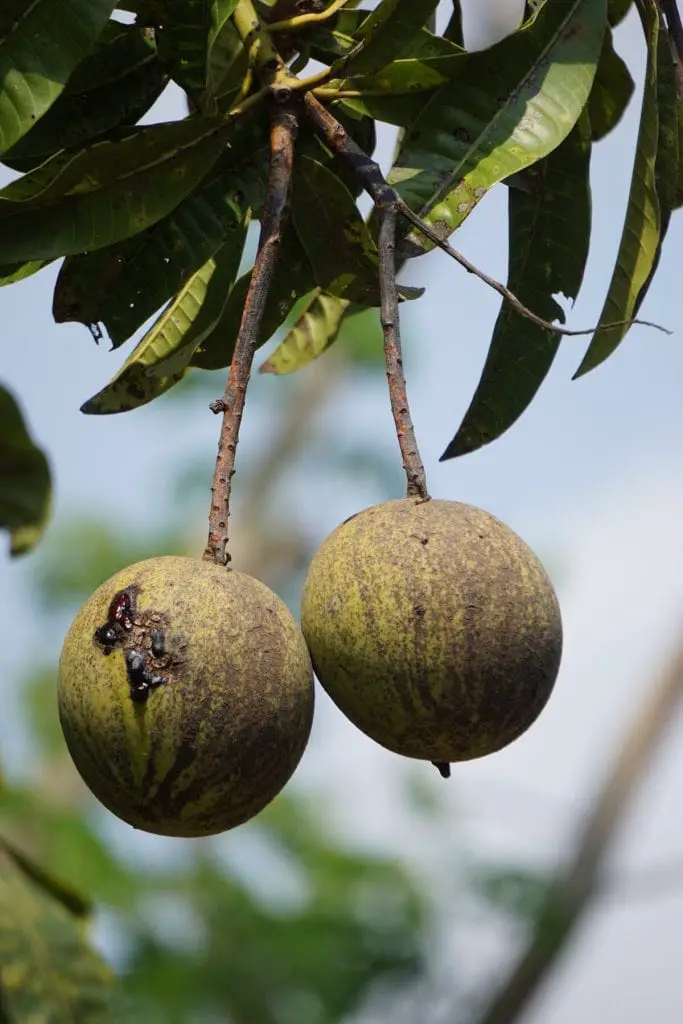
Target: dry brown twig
(283, 132)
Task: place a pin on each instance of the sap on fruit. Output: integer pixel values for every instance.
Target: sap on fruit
(185, 695)
(433, 627)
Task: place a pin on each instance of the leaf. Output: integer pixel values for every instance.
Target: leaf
(388, 32)
(68, 896)
(454, 27)
(335, 237)
(549, 235)
(314, 330)
(222, 48)
(12, 272)
(503, 109)
(293, 278)
(669, 157)
(403, 77)
(40, 45)
(617, 10)
(113, 86)
(166, 349)
(48, 973)
(125, 284)
(642, 227)
(612, 90)
(108, 191)
(188, 31)
(24, 479)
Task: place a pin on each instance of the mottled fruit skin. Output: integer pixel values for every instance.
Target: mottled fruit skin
(433, 627)
(185, 696)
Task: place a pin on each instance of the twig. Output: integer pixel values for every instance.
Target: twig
(669, 9)
(371, 178)
(389, 317)
(575, 887)
(303, 20)
(283, 133)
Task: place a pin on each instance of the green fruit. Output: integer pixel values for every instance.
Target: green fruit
(433, 627)
(185, 696)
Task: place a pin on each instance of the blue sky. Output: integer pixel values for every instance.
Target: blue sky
(590, 477)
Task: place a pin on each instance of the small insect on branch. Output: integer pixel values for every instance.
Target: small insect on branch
(283, 132)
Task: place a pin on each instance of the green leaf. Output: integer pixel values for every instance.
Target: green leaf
(11, 272)
(48, 973)
(293, 278)
(454, 27)
(40, 45)
(388, 33)
(334, 235)
(115, 85)
(68, 896)
(24, 479)
(642, 227)
(669, 156)
(166, 349)
(222, 49)
(503, 109)
(188, 31)
(617, 10)
(549, 235)
(403, 77)
(314, 330)
(108, 191)
(612, 90)
(122, 286)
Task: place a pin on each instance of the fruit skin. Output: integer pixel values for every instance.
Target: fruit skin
(215, 742)
(433, 627)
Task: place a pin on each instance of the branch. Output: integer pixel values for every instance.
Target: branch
(389, 316)
(583, 877)
(303, 20)
(370, 176)
(283, 132)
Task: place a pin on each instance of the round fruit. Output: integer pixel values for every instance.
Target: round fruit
(433, 627)
(185, 696)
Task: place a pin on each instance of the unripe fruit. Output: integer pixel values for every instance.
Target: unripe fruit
(185, 696)
(433, 627)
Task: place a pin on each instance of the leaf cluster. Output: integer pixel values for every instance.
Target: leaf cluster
(152, 220)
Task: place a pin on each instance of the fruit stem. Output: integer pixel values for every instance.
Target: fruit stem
(393, 355)
(386, 204)
(284, 127)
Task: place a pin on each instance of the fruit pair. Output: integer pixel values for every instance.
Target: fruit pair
(186, 690)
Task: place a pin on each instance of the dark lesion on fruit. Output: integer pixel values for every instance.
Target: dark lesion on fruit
(142, 637)
(141, 677)
(120, 620)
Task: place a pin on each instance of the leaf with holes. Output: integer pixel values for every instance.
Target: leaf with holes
(611, 92)
(89, 198)
(549, 234)
(25, 486)
(388, 32)
(41, 43)
(114, 86)
(504, 109)
(642, 226)
(123, 285)
(166, 349)
(48, 972)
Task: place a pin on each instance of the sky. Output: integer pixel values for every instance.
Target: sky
(590, 477)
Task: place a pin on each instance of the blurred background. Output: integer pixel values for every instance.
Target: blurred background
(373, 890)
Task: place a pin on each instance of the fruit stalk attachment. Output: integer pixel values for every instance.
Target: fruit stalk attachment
(284, 127)
(387, 206)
